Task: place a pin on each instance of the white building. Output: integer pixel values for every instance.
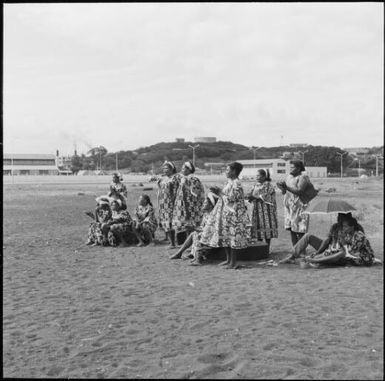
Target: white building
(29, 164)
(278, 168)
(317, 171)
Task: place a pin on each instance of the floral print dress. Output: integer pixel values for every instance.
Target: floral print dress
(145, 215)
(189, 197)
(264, 213)
(295, 218)
(95, 234)
(228, 225)
(357, 244)
(120, 227)
(167, 187)
(120, 188)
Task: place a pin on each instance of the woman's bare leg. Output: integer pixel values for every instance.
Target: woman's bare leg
(233, 259)
(228, 253)
(185, 246)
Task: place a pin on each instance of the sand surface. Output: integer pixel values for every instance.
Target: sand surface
(72, 311)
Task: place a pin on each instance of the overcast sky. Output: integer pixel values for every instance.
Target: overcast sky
(128, 75)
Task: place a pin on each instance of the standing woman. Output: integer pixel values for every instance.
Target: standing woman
(227, 224)
(264, 215)
(117, 185)
(296, 221)
(188, 213)
(167, 186)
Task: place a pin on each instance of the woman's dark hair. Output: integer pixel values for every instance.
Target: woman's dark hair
(265, 174)
(147, 198)
(298, 164)
(350, 220)
(237, 167)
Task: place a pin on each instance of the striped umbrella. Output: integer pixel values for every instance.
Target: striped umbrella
(328, 206)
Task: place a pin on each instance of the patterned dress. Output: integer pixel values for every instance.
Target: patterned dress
(145, 215)
(295, 219)
(228, 225)
(357, 243)
(264, 216)
(187, 213)
(120, 227)
(167, 187)
(95, 234)
(197, 247)
(120, 188)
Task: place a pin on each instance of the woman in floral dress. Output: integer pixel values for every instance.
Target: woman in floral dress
(346, 235)
(102, 216)
(167, 186)
(119, 228)
(296, 221)
(193, 239)
(117, 185)
(145, 222)
(188, 213)
(264, 206)
(228, 225)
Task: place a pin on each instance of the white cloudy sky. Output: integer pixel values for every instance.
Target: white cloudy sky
(128, 75)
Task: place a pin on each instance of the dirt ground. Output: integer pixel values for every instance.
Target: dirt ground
(71, 311)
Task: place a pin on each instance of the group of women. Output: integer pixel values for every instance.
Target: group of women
(113, 224)
(219, 218)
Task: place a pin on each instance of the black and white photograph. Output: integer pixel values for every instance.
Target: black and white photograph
(193, 190)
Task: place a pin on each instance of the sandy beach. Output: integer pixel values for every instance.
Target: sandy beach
(71, 311)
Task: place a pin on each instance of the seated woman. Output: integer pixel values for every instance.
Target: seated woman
(194, 238)
(103, 215)
(119, 228)
(145, 222)
(345, 244)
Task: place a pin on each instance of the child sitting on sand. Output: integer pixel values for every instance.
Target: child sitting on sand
(145, 222)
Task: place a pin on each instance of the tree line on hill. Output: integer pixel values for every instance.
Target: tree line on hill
(149, 159)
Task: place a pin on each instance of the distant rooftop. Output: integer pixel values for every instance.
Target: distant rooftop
(28, 156)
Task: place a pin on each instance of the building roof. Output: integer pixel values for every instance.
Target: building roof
(30, 167)
(29, 156)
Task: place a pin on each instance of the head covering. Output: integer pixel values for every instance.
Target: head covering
(190, 165)
(119, 202)
(171, 165)
(266, 173)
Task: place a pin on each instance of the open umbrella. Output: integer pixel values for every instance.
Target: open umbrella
(330, 206)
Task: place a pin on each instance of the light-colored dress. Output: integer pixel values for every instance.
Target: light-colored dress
(188, 213)
(167, 187)
(264, 213)
(228, 225)
(295, 219)
(145, 215)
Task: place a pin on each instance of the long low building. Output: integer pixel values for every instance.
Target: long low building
(29, 164)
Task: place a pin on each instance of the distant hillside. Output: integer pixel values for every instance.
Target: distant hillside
(146, 159)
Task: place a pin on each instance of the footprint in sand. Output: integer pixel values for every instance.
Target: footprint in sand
(212, 357)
